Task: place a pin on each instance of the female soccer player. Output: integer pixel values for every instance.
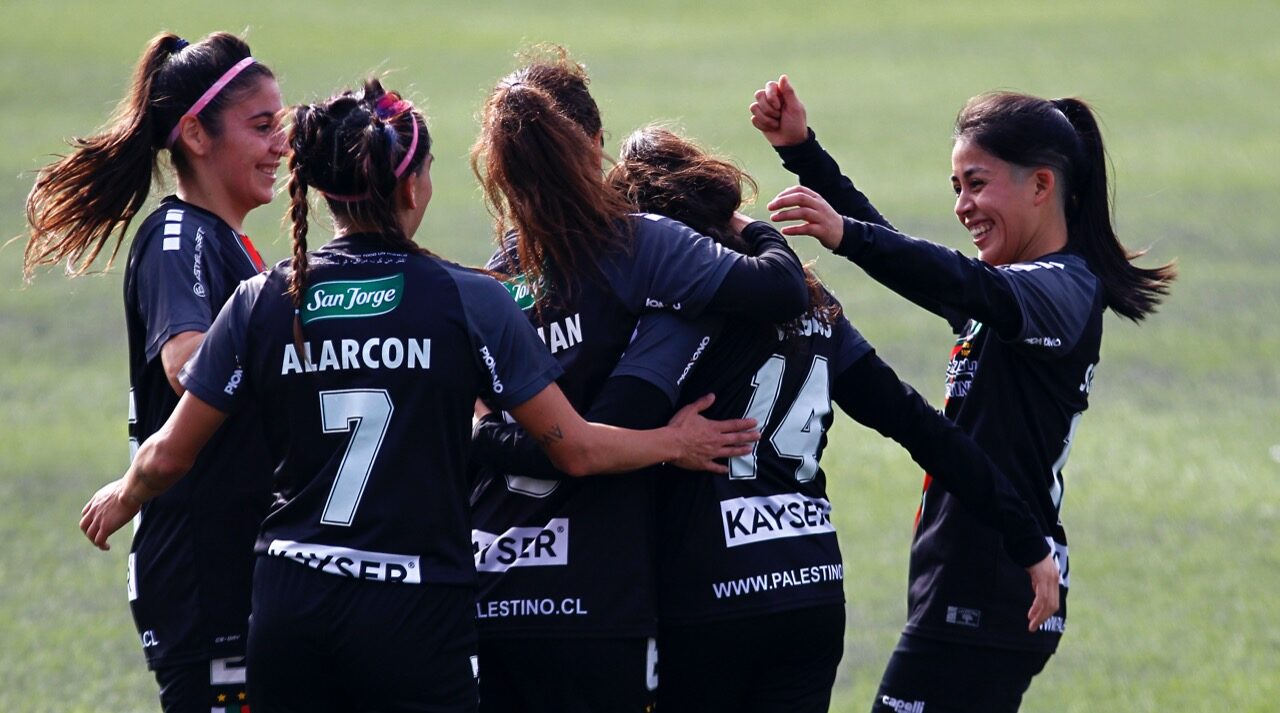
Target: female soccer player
(566, 567)
(1031, 185)
(751, 603)
(213, 107)
(366, 357)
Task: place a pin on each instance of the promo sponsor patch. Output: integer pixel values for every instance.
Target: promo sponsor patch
(759, 519)
(348, 299)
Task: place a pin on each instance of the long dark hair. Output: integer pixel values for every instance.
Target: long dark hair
(82, 198)
(1063, 135)
(538, 163)
(349, 149)
(659, 171)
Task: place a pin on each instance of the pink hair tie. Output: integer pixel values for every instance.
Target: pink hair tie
(208, 96)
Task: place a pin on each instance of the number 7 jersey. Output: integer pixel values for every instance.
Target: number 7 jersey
(368, 410)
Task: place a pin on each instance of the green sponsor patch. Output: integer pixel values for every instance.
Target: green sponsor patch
(341, 299)
(520, 291)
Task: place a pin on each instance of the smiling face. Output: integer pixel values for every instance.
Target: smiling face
(246, 153)
(999, 204)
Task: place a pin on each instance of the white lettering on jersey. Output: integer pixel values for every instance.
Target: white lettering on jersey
(759, 519)
(233, 383)
(196, 273)
(651, 303)
(373, 353)
(697, 354)
(563, 334)
(522, 547)
(810, 326)
(492, 364)
(346, 562)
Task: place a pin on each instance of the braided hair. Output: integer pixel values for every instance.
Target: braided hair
(354, 149)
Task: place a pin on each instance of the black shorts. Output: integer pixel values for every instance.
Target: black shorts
(568, 675)
(774, 662)
(321, 642)
(215, 685)
(933, 676)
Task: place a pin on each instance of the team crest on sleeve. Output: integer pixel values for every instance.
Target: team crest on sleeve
(348, 299)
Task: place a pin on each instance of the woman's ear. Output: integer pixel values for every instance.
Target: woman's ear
(407, 193)
(1045, 182)
(193, 137)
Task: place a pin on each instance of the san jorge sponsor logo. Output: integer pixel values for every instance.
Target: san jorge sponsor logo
(520, 291)
(347, 299)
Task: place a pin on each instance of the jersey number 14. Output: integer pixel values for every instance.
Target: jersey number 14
(799, 434)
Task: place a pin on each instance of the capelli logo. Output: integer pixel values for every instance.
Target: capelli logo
(900, 706)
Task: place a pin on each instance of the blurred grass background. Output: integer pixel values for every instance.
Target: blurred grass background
(1173, 496)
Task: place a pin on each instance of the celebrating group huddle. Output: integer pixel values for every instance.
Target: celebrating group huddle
(362, 479)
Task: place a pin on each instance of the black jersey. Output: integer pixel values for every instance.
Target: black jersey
(369, 422)
(1017, 382)
(1020, 394)
(760, 540)
(574, 557)
(191, 559)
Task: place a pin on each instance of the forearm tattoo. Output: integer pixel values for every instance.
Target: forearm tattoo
(551, 437)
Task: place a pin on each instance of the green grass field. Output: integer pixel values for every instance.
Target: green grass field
(1173, 501)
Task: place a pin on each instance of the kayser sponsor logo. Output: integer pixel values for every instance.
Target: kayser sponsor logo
(345, 299)
(759, 519)
(522, 547)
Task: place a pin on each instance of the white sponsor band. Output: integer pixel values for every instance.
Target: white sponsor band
(347, 562)
(759, 519)
(522, 547)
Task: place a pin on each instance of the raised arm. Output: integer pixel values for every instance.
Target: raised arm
(871, 393)
(781, 117)
(933, 276)
(770, 284)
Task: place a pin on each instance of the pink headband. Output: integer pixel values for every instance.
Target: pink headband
(208, 96)
(408, 155)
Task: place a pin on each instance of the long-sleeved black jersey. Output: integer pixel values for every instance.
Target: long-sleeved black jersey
(1017, 381)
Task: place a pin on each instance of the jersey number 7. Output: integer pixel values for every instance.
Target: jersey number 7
(366, 412)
